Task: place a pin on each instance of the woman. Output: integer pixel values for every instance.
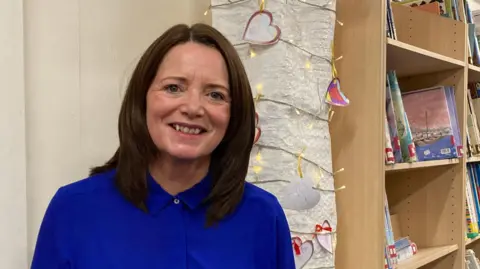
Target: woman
(174, 193)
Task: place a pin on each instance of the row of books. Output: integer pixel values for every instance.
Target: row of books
(391, 31)
(472, 214)
(474, 47)
(421, 124)
(446, 8)
(397, 249)
(473, 117)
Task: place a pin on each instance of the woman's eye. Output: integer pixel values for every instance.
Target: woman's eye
(172, 88)
(217, 96)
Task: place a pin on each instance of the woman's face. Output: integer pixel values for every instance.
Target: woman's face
(188, 103)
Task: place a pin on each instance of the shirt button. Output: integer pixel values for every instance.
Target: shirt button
(176, 201)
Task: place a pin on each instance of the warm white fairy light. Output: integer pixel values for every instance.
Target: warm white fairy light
(252, 53)
(258, 157)
(308, 65)
(257, 169)
(338, 171)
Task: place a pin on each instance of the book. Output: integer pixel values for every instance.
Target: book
(452, 109)
(391, 31)
(392, 124)
(389, 158)
(433, 126)
(403, 128)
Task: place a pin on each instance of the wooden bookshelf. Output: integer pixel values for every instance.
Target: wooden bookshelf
(428, 197)
(426, 256)
(473, 73)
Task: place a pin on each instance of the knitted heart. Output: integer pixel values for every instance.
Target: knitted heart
(303, 251)
(260, 30)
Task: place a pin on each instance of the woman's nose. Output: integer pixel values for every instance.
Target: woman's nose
(192, 105)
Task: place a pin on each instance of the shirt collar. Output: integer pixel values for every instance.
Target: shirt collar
(158, 198)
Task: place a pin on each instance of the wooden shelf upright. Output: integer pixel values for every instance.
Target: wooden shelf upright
(427, 197)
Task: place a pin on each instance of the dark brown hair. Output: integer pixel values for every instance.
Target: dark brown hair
(229, 161)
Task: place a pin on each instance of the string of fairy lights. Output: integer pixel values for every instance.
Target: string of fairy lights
(259, 87)
(319, 116)
(261, 97)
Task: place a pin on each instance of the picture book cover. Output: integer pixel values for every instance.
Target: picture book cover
(430, 123)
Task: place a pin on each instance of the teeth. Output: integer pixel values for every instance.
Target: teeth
(187, 130)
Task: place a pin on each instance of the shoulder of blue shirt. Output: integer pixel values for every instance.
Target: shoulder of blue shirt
(100, 184)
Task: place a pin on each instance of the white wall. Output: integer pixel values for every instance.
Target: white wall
(78, 56)
(474, 5)
(13, 203)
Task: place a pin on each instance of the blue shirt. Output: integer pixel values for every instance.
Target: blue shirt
(89, 225)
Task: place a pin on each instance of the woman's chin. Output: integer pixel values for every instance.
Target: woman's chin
(187, 154)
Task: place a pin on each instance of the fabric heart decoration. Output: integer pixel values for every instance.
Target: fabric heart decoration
(299, 194)
(260, 30)
(324, 236)
(258, 131)
(303, 251)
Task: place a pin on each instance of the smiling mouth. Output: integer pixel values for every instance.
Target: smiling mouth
(187, 130)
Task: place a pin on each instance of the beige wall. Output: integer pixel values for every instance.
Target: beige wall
(474, 5)
(13, 233)
(77, 58)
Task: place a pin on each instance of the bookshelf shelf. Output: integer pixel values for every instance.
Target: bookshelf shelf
(470, 241)
(473, 159)
(409, 60)
(426, 256)
(473, 73)
(417, 165)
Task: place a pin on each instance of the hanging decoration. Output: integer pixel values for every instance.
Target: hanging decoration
(260, 29)
(299, 194)
(334, 95)
(303, 251)
(324, 236)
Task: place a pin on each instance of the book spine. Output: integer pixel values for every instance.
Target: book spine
(389, 158)
(452, 111)
(470, 217)
(392, 125)
(389, 232)
(403, 128)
